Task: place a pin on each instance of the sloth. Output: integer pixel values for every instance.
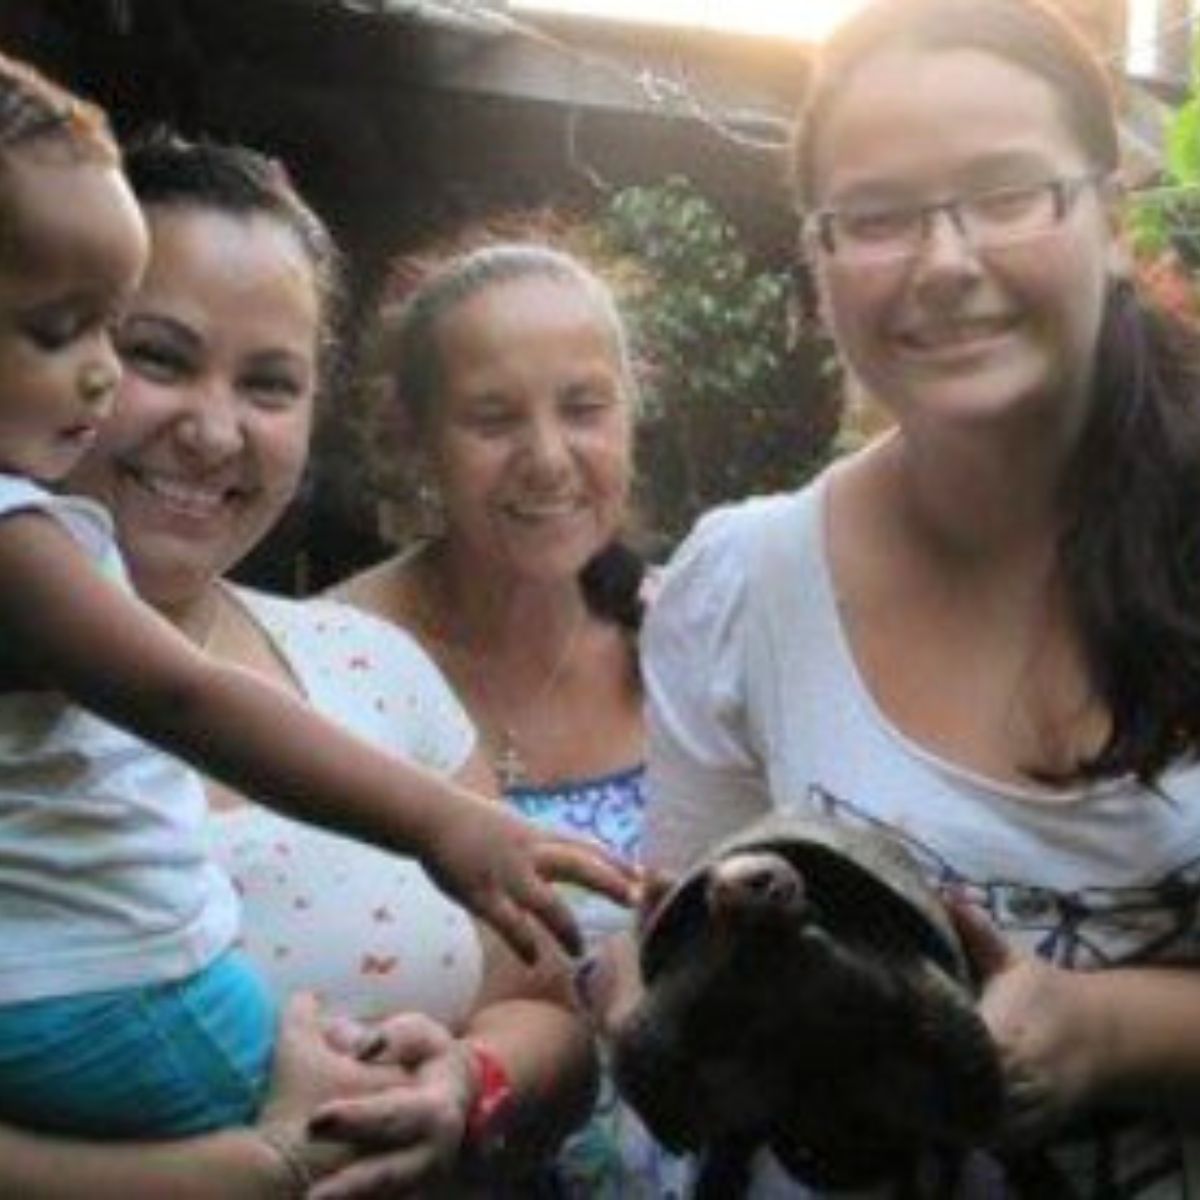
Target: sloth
(804, 991)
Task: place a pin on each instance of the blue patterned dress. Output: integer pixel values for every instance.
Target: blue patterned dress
(612, 1157)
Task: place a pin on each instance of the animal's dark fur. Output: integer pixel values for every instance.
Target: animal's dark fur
(772, 1019)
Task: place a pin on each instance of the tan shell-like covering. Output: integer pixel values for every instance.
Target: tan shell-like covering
(847, 868)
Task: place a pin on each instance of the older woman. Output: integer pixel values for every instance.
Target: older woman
(223, 345)
(513, 375)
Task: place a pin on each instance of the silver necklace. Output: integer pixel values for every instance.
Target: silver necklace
(502, 743)
(506, 757)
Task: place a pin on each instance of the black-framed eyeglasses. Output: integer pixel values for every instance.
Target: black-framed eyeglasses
(991, 217)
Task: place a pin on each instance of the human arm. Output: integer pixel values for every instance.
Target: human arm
(235, 1164)
(704, 778)
(231, 1165)
(523, 1015)
(1075, 1041)
(415, 1136)
(115, 656)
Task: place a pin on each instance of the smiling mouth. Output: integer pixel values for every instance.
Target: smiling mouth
(533, 513)
(955, 335)
(197, 501)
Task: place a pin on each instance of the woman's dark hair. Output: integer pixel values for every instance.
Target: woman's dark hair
(1129, 554)
(611, 581)
(166, 170)
(1022, 32)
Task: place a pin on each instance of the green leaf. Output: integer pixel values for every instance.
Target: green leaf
(1183, 144)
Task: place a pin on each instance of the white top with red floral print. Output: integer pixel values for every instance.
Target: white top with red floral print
(368, 932)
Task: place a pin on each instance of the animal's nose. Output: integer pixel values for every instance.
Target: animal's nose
(758, 881)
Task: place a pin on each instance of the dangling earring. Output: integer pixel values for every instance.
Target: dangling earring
(430, 506)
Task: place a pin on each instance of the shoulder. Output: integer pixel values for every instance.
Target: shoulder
(85, 521)
(368, 673)
(17, 493)
(364, 587)
(707, 578)
(328, 629)
(722, 538)
(382, 589)
(83, 517)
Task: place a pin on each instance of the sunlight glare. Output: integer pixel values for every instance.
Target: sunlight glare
(804, 20)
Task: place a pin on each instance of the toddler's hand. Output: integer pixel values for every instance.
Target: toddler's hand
(652, 889)
(502, 868)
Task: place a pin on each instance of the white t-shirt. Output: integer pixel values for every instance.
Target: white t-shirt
(755, 703)
(367, 931)
(104, 879)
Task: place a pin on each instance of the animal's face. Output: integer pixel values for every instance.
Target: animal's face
(707, 1053)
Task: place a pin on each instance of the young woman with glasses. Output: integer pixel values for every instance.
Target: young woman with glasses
(983, 630)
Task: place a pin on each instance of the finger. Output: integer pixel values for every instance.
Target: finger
(301, 1015)
(987, 948)
(567, 860)
(306, 1070)
(345, 1035)
(389, 1120)
(553, 912)
(608, 984)
(406, 1040)
(393, 1176)
(589, 982)
(302, 1028)
(512, 924)
(653, 888)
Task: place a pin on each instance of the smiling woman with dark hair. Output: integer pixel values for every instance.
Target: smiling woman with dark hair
(981, 631)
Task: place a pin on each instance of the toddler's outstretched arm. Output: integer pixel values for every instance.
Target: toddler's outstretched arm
(84, 636)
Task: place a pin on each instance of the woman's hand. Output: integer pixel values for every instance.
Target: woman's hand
(408, 1136)
(1048, 1025)
(314, 1062)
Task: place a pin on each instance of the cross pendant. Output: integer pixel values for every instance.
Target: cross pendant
(509, 766)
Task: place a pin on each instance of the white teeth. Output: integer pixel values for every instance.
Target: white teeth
(186, 497)
(543, 512)
(958, 333)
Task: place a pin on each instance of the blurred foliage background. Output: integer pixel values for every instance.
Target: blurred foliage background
(1164, 219)
(740, 393)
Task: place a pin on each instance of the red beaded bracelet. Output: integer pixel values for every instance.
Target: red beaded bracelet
(488, 1117)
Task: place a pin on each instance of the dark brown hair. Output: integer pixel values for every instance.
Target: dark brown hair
(1129, 554)
(1022, 32)
(166, 170)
